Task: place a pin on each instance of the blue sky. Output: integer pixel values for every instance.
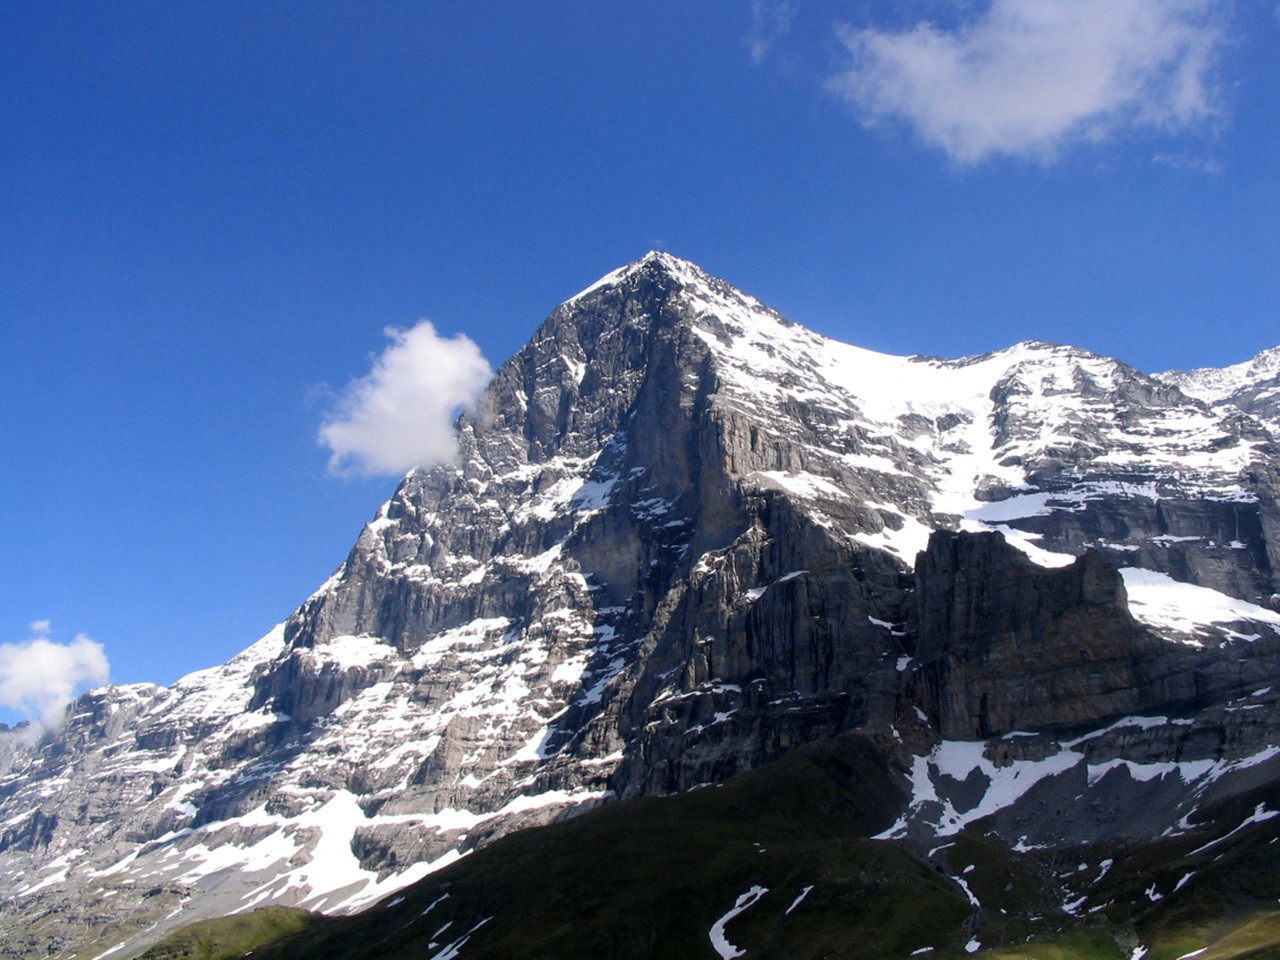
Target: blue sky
(211, 212)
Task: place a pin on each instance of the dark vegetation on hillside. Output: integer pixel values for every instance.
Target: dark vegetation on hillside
(650, 878)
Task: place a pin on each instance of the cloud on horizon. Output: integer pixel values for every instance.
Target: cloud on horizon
(39, 677)
(400, 415)
(1029, 78)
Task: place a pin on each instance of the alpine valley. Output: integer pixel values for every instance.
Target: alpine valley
(720, 638)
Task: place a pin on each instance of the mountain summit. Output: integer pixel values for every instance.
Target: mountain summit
(685, 537)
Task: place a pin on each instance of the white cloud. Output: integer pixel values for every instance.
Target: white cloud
(39, 677)
(400, 415)
(1026, 78)
(770, 21)
(1190, 163)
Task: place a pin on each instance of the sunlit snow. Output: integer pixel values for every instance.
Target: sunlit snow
(1186, 609)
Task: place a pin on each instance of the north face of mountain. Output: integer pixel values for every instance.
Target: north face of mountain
(684, 537)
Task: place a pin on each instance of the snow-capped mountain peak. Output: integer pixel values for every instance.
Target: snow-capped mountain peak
(682, 536)
(1251, 387)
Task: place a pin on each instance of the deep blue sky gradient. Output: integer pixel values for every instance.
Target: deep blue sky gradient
(210, 211)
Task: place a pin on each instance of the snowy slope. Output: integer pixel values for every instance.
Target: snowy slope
(1251, 387)
(989, 442)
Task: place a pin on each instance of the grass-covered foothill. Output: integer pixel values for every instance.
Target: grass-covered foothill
(651, 878)
(230, 937)
(1241, 937)
(1089, 944)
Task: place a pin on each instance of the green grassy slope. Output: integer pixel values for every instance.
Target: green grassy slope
(230, 937)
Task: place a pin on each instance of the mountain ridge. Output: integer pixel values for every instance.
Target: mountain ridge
(680, 540)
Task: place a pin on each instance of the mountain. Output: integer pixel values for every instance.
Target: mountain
(685, 538)
(1251, 387)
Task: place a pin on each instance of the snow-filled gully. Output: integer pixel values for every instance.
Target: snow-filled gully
(719, 942)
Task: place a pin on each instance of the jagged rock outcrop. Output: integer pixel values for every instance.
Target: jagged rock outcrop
(680, 540)
(1005, 645)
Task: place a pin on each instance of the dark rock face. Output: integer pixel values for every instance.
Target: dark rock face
(1005, 645)
(680, 541)
(31, 835)
(767, 645)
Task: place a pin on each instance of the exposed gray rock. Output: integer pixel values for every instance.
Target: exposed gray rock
(1005, 645)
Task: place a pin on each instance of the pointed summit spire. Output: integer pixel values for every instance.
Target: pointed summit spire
(654, 260)
(662, 258)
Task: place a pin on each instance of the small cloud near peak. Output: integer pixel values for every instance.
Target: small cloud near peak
(400, 415)
(39, 677)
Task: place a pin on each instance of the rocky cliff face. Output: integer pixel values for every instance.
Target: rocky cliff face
(682, 539)
(1006, 645)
